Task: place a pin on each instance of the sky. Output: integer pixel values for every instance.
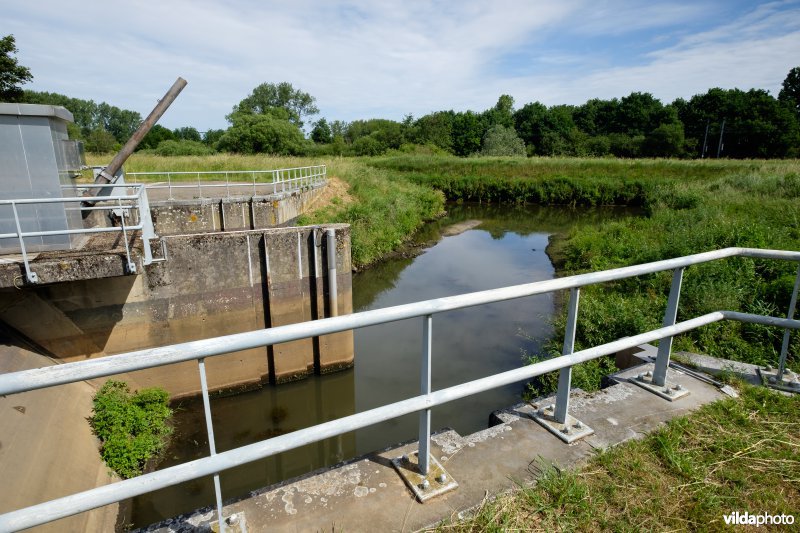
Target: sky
(380, 59)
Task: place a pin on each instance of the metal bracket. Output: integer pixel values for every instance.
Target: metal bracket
(438, 480)
(789, 383)
(669, 391)
(571, 430)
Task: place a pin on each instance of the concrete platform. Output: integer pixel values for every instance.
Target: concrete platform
(367, 493)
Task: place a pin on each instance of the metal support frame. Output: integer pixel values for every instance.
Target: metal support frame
(212, 446)
(424, 475)
(555, 417)
(656, 381)
(782, 378)
(425, 389)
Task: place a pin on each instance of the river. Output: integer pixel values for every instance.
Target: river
(476, 247)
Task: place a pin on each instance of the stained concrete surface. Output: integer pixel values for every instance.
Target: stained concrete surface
(366, 494)
(47, 449)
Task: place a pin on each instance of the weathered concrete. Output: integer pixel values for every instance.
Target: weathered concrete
(230, 214)
(212, 284)
(47, 449)
(367, 492)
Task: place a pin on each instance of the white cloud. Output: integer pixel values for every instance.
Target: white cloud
(364, 59)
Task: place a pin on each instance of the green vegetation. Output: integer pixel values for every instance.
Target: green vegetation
(132, 428)
(689, 207)
(12, 74)
(732, 455)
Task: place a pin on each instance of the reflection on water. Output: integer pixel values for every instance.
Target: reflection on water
(499, 246)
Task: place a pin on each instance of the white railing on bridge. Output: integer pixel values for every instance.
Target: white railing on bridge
(126, 205)
(236, 182)
(215, 463)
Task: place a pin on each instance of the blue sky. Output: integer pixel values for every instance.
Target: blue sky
(369, 59)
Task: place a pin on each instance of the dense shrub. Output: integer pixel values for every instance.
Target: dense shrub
(132, 428)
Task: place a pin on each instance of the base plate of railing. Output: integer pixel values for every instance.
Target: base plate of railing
(571, 430)
(789, 383)
(669, 390)
(438, 481)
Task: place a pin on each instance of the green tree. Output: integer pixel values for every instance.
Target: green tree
(12, 74)
(321, 133)
(502, 113)
(502, 141)
(790, 90)
(212, 137)
(101, 141)
(757, 125)
(468, 131)
(187, 133)
(268, 96)
(156, 136)
(435, 128)
(270, 133)
(665, 141)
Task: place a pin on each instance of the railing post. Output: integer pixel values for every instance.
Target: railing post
(212, 447)
(425, 388)
(671, 314)
(565, 374)
(148, 232)
(32, 277)
(787, 331)
(199, 186)
(131, 266)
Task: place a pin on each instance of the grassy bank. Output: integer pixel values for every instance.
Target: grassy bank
(385, 210)
(732, 455)
(689, 207)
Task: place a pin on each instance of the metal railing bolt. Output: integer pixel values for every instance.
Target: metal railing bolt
(678, 387)
(648, 374)
(441, 478)
(425, 484)
(578, 425)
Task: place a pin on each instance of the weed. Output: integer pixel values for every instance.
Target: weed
(132, 428)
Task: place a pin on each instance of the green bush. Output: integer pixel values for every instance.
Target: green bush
(172, 147)
(132, 428)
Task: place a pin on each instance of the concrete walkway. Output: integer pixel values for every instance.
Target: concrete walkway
(367, 494)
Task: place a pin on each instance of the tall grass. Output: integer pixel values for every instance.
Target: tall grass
(732, 455)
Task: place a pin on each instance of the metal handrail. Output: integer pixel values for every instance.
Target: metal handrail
(297, 178)
(27, 380)
(138, 201)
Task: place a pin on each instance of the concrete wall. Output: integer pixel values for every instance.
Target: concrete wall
(212, 284)
(47, 449)
(207, 214)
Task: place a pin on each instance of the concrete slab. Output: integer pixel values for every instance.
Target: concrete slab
(367, 493)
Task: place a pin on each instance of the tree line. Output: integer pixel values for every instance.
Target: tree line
(718, 123)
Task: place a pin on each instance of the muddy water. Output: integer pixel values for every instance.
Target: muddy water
(474, 248)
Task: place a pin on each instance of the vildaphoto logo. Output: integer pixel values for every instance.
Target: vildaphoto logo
(762, 519)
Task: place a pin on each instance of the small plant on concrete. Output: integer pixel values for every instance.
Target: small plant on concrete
(132, 427)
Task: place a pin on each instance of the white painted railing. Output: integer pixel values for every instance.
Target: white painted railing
(124, 204)
(278, 181)
(215, 463)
